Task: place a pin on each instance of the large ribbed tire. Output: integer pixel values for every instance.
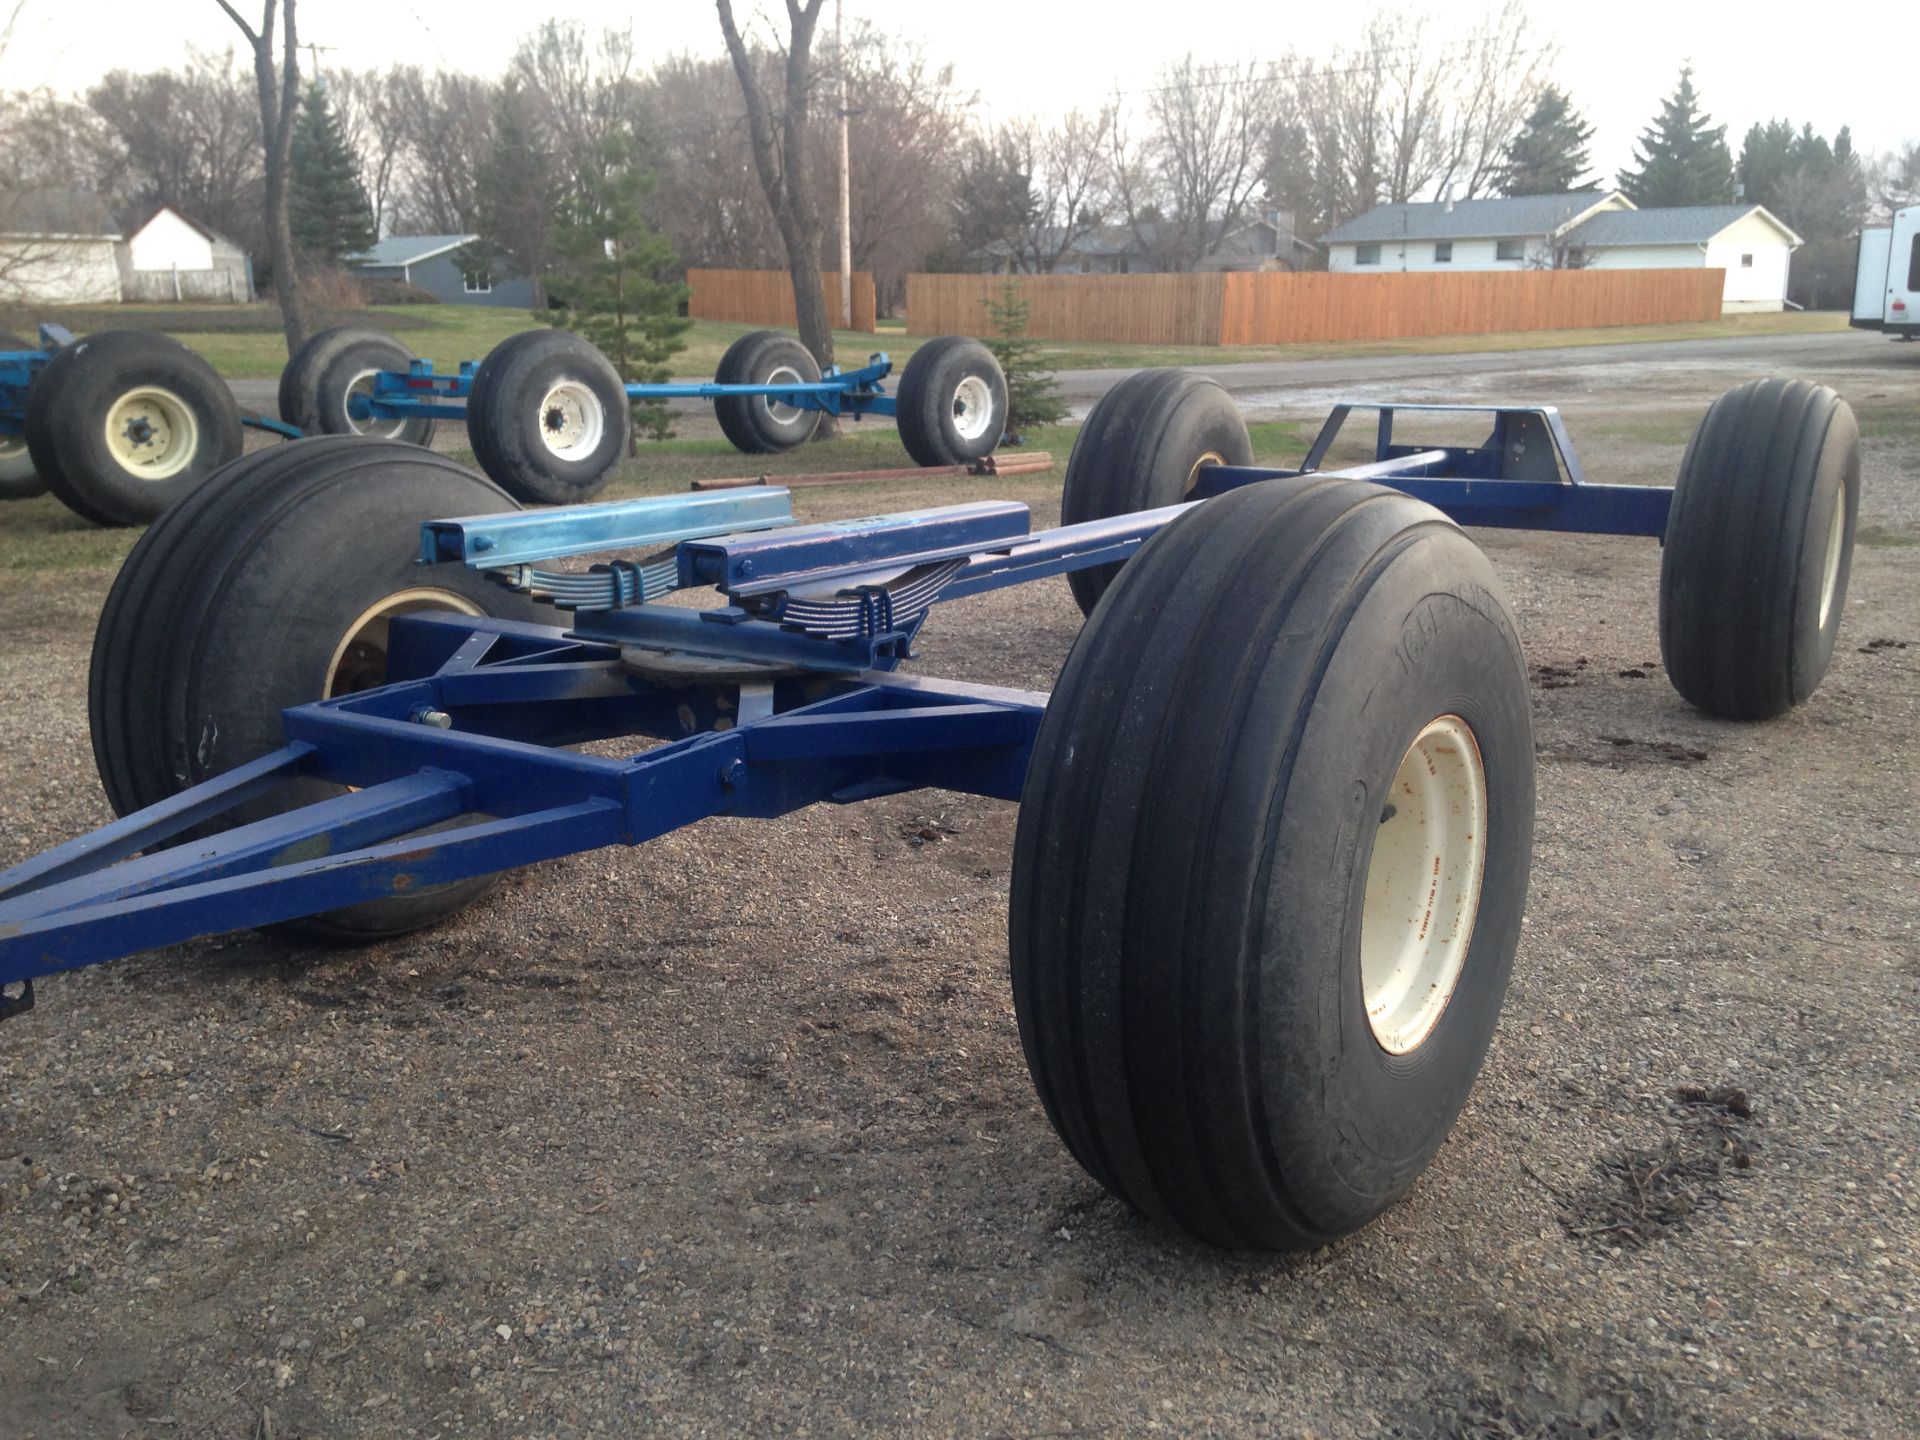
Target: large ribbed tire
(340, 364)
(18, 479)
(123, 424)
(295, 395)
(757, 424)
(266, 588)
(1141, 448)
(1759, 546)
(549, 417)
(952, 404)
(1272, 860)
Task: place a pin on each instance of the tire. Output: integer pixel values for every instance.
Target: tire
(238, 603)
(952, 403)
(295, 395)
(549, 417)
(18, 479)
(344, 365)
(1208, 797)
(754, 423)
(1759, 547)
(123, 424)
(1141, 448)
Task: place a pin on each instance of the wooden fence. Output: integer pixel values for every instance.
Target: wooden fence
(1148, 309)
(1279, 308)
(765, 297)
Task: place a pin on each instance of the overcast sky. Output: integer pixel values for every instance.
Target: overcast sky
(1830, 64)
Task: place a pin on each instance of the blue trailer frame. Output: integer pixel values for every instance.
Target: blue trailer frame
(783, 694)
(422, 391)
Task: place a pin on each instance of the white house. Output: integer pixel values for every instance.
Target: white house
(1585, 229)
(1518, 232)
(174, 258)
(1749, 242)
(57, 247)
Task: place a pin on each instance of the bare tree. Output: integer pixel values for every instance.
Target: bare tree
(279, 104)
(1896, 180)
(1491, 84)
(189, 138)
(707, 198)
(781, 161)
(446, 123)
(1199, 164)
(1068, 178)
(374, 119)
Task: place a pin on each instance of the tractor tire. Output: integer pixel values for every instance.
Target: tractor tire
(123, 424)
(1272, 859)
(549, 417)
(952, 405)
(18, 479)
(1759, 546)
(347, 367)
(1142, 448)
(756, 424)
(295, 396)
(268, 587)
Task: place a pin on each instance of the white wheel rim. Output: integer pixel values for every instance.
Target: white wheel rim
(572, 420)
(1423, 884)
(972, 407)
(779, 411)
(1212, 457)
(359, 659)
(152, 433)
(15, 462)
(363, 384)
(1836, 542)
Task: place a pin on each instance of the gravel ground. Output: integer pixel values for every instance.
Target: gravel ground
(731, 1134)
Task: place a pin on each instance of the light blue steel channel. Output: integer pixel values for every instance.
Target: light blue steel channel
(420, 391)
(491, 542)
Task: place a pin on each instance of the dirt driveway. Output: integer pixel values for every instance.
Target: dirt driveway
(730, 1135)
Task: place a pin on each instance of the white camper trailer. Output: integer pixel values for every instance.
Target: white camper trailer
(1886, 277)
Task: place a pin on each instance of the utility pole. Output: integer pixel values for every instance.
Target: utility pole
(846, 193)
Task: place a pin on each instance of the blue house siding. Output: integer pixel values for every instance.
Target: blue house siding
(441, 277)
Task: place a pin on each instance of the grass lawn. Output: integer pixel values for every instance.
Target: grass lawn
(244, 342)
(42, 534)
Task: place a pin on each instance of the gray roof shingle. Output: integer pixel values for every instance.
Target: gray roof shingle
(1669, 225)
(1466, 219)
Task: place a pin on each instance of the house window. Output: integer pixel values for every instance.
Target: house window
(1746, 262)
(1510, 250)
(1443, 252)
(477, 282)
(1366, 254)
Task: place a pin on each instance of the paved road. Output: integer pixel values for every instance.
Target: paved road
(1296, 385)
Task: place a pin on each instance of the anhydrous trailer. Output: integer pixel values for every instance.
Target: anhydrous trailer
(1272, 855)
(123, 424)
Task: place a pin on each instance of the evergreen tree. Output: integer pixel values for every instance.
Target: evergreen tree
(1681, 158)
(613, 277)
(328, 208)
(1032, 398)
(517, 189)
(1820, 190)
(1549, 154)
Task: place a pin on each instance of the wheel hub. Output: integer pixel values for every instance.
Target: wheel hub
(572, 420)
(1836, 544)
(359, 659)
(779, 411)
(972, 407)
(152, 433)
(1423, 884)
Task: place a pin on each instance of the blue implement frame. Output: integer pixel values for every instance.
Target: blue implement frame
(420, 390)
(783, 694)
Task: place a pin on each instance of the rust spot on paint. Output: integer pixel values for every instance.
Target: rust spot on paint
(402, 883)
